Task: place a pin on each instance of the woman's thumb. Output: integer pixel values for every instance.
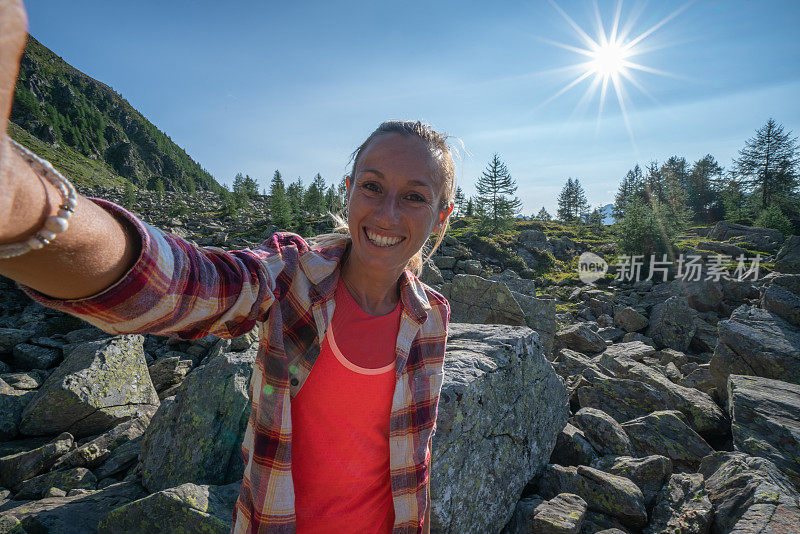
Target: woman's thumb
(13, 36)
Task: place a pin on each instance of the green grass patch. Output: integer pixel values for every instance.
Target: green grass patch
(82, 171)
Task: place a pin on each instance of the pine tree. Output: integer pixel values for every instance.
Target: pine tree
(470, 210)
(314, 199)
(595, 219)
(294, 194)
(631, 187)
(244, 187)
(653, 183)
(675, 178)
(280, 212)
(496, 203)
(543, 215)
(704, 183)
(460, 203)
(191, 185)
(129, 197)
(160, 190)
(572, 203)
(768, 164)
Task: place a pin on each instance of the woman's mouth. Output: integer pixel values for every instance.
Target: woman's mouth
(381, 240)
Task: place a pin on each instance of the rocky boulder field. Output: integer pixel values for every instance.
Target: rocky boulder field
(626, 407)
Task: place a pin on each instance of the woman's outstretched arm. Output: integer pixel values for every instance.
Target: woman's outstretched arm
(113, 270)
(96, 249)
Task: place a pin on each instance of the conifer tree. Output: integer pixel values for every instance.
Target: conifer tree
(280, 212)
(572, 203)
(543, 215)
(244, 187)
(294, 194)
(160, 190)
(470, 210)
(314, 199)
(129, 198)
(768, 164)
(631, 187)
(704, 184)
(496, 204)
(675, 178)
(460, 202)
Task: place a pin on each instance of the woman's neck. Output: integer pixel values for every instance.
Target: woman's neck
(376, 293)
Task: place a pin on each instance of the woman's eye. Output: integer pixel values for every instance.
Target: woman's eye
(371, 186)
(416, 197)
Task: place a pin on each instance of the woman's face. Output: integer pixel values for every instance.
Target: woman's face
(393, 202)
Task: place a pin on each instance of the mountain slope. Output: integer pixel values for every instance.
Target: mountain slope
(88, 128)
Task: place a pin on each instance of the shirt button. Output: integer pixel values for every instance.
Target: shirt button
(295, 381)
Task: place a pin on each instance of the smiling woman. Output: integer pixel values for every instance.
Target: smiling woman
(353, 452)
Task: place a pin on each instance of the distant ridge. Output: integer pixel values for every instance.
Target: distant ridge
(90, 132)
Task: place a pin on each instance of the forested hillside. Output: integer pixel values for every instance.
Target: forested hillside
(89, 131)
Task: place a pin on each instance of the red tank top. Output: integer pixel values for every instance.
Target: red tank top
(340, 425)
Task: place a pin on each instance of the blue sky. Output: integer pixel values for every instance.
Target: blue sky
(259, 86)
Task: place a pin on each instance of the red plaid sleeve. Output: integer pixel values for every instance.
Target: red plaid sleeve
(178, 289)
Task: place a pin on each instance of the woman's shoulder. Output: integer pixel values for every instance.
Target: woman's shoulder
(436, 299)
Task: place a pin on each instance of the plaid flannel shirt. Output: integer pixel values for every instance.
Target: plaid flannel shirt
(180, 290)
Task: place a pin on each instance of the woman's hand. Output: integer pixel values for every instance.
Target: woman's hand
(13, 36)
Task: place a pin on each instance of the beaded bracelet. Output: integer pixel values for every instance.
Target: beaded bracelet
(54, 224)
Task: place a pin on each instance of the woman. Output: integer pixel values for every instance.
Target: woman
(352, 452)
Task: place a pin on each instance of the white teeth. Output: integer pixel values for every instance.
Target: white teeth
(383, 241)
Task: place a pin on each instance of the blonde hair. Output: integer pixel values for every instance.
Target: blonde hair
(440, 150)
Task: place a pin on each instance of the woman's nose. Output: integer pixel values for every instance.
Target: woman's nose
(387, 211)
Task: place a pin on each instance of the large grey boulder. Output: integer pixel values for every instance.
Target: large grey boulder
(11, 337)
(98, 385)
(672, 324)
(765, 239)
(603, 492)
(477, 300)
(524, 512)
(765, 416)
(79, 513)
(621, 398)
(603, 432)
(581, 338)
(93, 453)
(12, 404)
(516, 283)
(782, 297)
(633, 350)
(196, 436)
(630, 320)
(749, 494)
(788, 258)
(540, 315)
(666, 433)
(699, 408)
(648, 473)
(701, 295)
(563, 514)
(431, 274)
(682, 507)
(572, 448)
(755, 342)
(500, 411)
(66, 480)
(16, 468)
(185, 508)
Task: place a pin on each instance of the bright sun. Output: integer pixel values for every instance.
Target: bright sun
(609, 59)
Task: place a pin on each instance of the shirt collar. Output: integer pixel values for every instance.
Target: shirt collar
(321, 267)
